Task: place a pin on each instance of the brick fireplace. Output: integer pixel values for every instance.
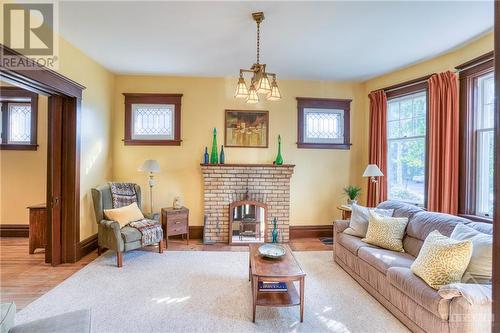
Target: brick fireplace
(228, 183)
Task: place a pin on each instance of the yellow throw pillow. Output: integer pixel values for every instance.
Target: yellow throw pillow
(386, 232)
(124, 215)
(442, 260)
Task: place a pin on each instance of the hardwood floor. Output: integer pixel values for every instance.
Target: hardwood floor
(25, 277)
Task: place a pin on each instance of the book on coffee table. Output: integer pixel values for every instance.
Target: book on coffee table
(272, 286)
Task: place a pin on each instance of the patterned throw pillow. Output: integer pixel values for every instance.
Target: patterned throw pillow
(442, 260)
(386, 232)
(358, 225)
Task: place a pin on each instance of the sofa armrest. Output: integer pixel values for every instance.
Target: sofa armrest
(340, 225)
(470, 306)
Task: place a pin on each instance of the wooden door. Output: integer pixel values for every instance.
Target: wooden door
(54, 181)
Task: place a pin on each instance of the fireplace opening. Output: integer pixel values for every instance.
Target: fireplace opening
(247, 222)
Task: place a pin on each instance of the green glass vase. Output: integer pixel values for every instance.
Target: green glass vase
(214, 157)
(279, 158)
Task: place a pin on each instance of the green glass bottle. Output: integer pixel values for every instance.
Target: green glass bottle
(279, 158)
(214, 157)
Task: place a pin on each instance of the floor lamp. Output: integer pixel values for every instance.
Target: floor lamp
(151, 167)
(372, 171)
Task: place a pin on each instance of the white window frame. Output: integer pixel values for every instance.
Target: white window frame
(408, 138)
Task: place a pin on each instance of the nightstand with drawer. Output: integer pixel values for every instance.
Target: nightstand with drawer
(175, 222)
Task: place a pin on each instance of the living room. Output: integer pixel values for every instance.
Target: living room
(211, 136)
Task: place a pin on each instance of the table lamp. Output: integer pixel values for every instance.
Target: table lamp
(152, 167)
(372, 171)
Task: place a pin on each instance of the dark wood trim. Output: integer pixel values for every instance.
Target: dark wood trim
(249, 165)
(86, 246)
(14, 230)
(407, 83)
(63, 173)
(468, 155)
(18, 146)
(496, 213)
(150, 98)
(490, 56)
(323, 103)
(476, 218)
(250, 111)
(311, 231)
(42, 80)
(16, 92)
(407, 90)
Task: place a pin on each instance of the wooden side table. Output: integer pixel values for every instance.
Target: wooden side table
(175, 222)
(38, 226)
(346, 212)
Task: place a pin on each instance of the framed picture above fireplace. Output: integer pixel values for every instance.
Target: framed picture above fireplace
(246, 129)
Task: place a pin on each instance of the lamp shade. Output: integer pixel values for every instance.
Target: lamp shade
(372, 170)
(150, 166)
(264, 85)
(275, 94)
(241, 89)
(252, 95)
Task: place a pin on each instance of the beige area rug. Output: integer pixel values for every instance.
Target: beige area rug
(208, 292)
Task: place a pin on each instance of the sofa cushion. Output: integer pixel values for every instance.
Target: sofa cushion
(74, 322)
(383, 259)
(130, 234)
(401, 209)
(442, 260)
(423, 223)
(358, 225)
(386, 232)
(412, 286)
(351, 243)
(480, 265)
(7, 316)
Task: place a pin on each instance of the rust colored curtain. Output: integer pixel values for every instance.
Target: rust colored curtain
(443, 136)
(377, 192)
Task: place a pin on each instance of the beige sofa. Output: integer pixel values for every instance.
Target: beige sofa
(386, 275)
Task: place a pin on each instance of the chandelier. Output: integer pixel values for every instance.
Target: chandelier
(259, 83)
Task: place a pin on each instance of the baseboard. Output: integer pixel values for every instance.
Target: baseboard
(14, 230)
(310, 231)
(86, 246)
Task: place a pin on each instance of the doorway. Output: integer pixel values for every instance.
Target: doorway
(63, 154)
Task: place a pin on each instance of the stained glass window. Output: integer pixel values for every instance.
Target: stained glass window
(153, 121)
(323, 125)
(19, 123)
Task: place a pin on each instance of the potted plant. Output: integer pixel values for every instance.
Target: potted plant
(352, 193)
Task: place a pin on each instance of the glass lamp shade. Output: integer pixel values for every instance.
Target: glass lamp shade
(275, 94)
(264, 87)
(241, 89)
(372, 170)
(252, 96)
(150, 166)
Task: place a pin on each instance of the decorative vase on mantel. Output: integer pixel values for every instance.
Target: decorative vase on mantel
(279, 158)
(222, 158)
(206, 157)
(274, 232)
(214, 158)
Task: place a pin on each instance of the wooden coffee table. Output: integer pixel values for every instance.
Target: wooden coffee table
(286, 269)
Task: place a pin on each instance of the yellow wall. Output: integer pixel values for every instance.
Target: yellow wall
(24, 175)
(96, 126)
(319, 176)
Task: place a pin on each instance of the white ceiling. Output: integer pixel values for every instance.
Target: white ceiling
(299, 40)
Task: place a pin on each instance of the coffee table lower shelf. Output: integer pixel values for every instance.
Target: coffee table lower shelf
(279, 298)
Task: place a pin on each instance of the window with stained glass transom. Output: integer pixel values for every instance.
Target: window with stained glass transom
(153, 121)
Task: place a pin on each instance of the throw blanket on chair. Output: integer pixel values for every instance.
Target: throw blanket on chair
(124, 194)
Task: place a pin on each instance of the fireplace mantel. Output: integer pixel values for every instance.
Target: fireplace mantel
(247, 165)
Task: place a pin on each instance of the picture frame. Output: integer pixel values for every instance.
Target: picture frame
(246, 129)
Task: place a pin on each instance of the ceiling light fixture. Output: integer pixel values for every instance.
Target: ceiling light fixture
(259, 83)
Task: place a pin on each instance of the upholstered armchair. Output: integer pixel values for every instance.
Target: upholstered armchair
(109, 235)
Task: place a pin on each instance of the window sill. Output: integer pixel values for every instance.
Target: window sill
(307, 145)
(152, 142)
(18, 146)
(477, 218)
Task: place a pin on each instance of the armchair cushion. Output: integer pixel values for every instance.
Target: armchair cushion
(130, 234)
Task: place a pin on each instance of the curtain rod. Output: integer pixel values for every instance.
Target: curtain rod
(406, 83)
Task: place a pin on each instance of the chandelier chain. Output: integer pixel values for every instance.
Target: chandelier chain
(258, 42)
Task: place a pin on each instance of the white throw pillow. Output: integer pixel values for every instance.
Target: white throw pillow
(359, 219)
(480, 265)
